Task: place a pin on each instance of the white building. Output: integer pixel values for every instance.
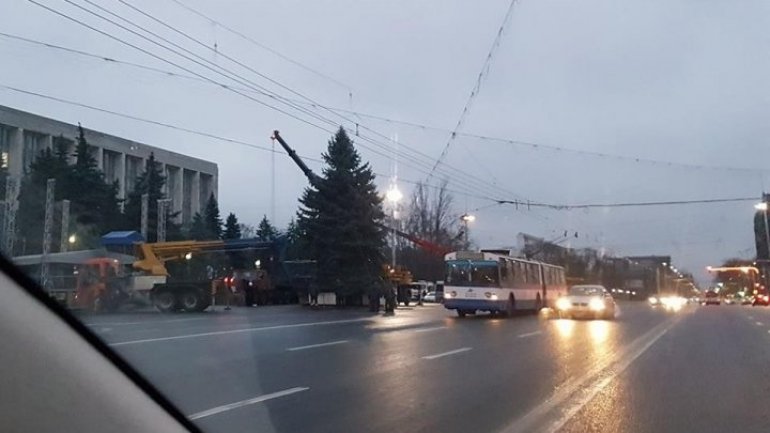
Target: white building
(189, 181)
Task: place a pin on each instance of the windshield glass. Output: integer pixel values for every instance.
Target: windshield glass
(472, 273)
(586, 290)
(259, 204)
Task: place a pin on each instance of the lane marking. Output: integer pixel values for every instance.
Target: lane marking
(435, 328)
(242, 403)
(760, 323)
(451, 352)
(238, 331)
(530, 334)
(145, 322)
(573, 395)
(313, 346)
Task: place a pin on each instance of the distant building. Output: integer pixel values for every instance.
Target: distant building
(189, 181)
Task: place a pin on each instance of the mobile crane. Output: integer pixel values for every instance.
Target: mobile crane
(102, 284)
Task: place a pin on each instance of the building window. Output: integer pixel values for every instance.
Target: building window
(33, 144)
(5, 145)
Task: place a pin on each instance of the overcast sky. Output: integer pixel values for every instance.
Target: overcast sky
(673, 81)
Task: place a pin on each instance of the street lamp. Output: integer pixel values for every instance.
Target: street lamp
(72, 239)
(762, 207)
(467, 218)
(393, 196)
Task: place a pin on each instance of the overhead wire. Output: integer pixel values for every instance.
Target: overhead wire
(204, 134)
(381, 153)
(530, 144)
(476, 87)
(263, 46)
(303, 96)
(249, 68)
(529, 204)
(151, 54)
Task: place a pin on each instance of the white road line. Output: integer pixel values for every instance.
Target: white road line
(573, 395)
(144, 322)
(435, 328)
(237, 404)
(451, 352)
(530, 334)
(760, 323)
(313, 346)
(237, 331)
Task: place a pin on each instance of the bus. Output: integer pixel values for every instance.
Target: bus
(498, 283)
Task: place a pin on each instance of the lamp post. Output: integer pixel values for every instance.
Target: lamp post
(393, 196)
(762, 206)
(467, 218)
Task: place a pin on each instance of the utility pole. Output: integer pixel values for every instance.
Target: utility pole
(143, 222)
(65, 226)
(47, 229)
(162, 217)
(763, 207)
(9, 220)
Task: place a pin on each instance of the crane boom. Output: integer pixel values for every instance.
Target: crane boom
(312, 177)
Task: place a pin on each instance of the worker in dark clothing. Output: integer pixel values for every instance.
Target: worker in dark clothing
(313, 289)
(390, 298)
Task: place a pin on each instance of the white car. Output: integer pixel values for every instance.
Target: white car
(429, 297)
(586, 301)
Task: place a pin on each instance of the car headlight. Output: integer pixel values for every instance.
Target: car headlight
(493, 297)
(653, 300)
(596, 304)
(563, 304)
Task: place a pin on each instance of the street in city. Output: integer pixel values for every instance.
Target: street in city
(292, 368)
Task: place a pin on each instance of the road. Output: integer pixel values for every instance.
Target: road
(288, 369)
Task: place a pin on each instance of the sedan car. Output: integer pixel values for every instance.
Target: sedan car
(429, 297)
(712, 298)
(586, 301)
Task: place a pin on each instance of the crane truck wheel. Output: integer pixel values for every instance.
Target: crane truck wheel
(165, 301)
(192, 301)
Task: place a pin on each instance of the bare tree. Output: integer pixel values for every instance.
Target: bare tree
(430, 217)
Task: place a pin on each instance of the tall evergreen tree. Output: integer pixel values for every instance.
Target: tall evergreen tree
(232, 228)
(94, 207)
(151, 182)
(340, 217)
(296, 243)
(198, 230)
(266, 231)
(212, 219)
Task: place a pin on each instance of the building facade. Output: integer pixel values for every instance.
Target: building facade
(189, 181)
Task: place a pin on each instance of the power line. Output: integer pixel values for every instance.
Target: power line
(381, 153)
(529, 144)
(263, 46)
(208, 135)
(528, 204)
(476, 87)
(149, 53)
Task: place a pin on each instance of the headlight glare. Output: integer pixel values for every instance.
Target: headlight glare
(596, 304)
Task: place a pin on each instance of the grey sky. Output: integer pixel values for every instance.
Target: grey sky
(682, 81)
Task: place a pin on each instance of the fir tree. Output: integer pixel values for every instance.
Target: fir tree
(265, 230)
(212, 219)
(232, 228)
(339, 220)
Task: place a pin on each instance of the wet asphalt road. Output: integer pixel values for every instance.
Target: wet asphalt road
(290, 369)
